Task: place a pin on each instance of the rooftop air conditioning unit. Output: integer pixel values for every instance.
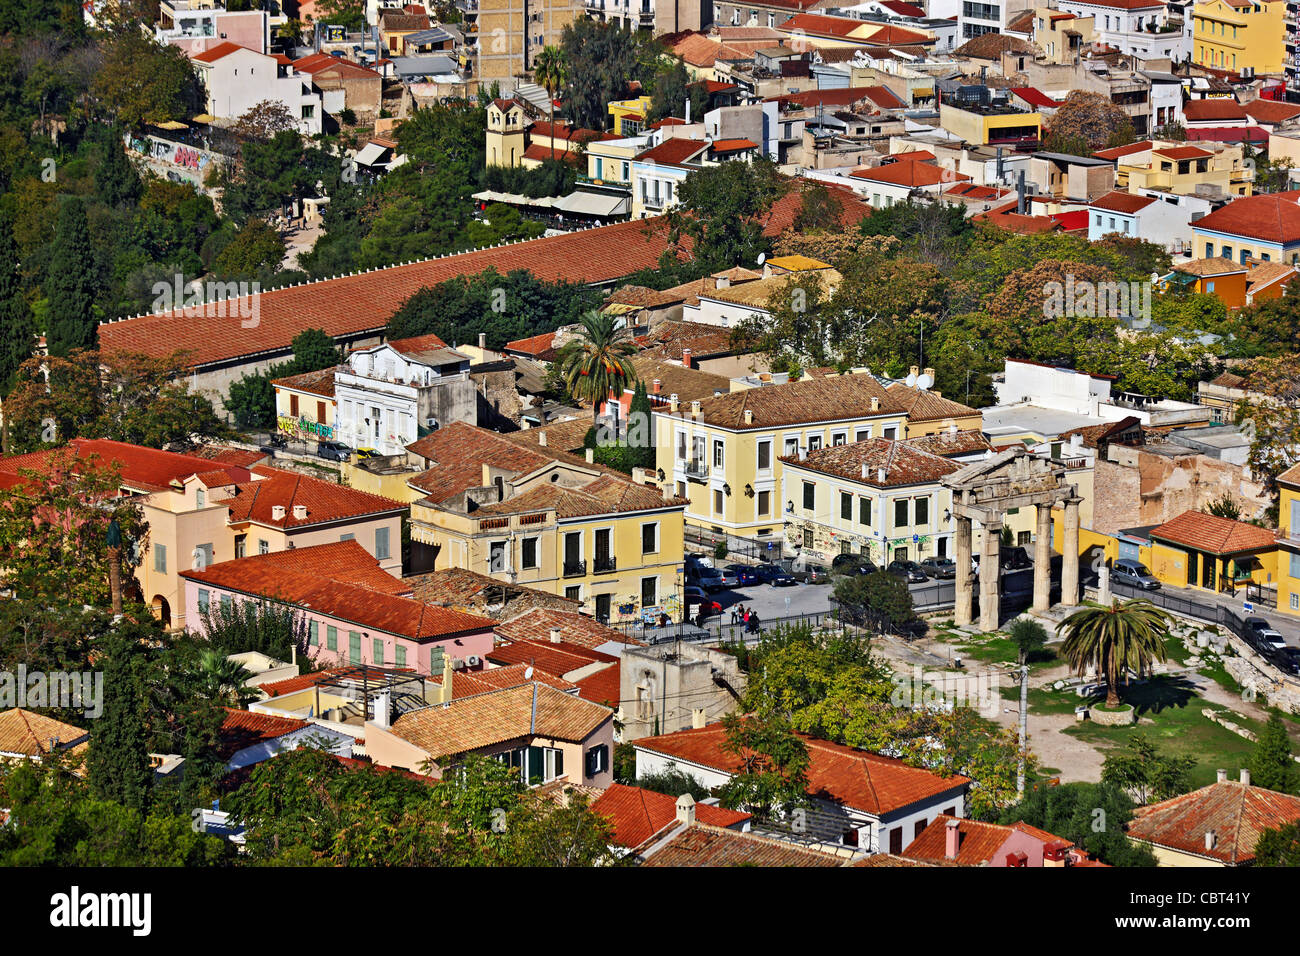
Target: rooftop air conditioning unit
(457, 664)
(474, 660)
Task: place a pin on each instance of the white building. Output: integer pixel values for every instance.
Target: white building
(237, 79)
(1156, 217)
(975, 19)
(389, 395)
(1142, 30)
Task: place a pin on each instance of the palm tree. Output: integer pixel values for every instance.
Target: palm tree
(551, 70)
(225, 679)
(1128, 635)
(597, 362)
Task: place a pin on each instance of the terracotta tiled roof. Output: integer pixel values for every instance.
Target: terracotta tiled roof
(1202, 111)
(220, 52)
(903, 464)
(577, 629)
(1183, 152)
(1214, 266)
(403, 23)
(317, 383)
(1271, 112)
(864, 781)
(417, 344)
(636, 814)
(1207, 532)
(558, 659)
(342, 581)
(540, 153)
(912, 175)
(703, 845)
(243, 729)
(325, 63)
(292, 685)
(670, 339)
(470, 590)
(567, 435)
(990, 46)
(141, 469)
(924, 405)
(468, 683)
(902, 8)
(817, 24)
(1005, 217)
(815, 400)
(879, 96)
(538, 346)
(603, 495)
(1272, 217)
(1235, 812)
(483, 720)
(1119, 152)
(732, 145)
(28, 733)
(947, 444)
(1122, 202)
(675, 151)
(688, 384)
(226, 455)
(1267, 273)
(978, 841)
(602, 687)
(851, 209)
(697, 49)
(350, 305)
(325, 501)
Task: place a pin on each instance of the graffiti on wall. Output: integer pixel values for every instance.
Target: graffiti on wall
(305, 428)
(189, 158)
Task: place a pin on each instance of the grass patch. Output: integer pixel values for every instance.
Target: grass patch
(1002, 650)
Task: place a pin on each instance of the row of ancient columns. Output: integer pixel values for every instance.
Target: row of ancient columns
(991, 564)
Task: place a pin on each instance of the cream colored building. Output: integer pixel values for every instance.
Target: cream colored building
(510, 33)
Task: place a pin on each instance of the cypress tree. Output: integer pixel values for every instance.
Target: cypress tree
(641, 437)
(118, 761)
(69, 285)
(17, 336)
(116, 181)
(1271, 765)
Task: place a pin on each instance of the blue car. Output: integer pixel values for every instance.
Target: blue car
(744, 574)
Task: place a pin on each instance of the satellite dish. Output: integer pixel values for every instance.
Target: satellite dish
(911, 379)
(925, 381)
(762, 257)
(528, 673)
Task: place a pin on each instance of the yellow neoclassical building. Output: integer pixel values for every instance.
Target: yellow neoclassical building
(1288, 540)
(546, 519)
(723, 455)
(1240, 34)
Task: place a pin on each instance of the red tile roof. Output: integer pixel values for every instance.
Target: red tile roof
(1228, 134)
(538, 346)
(1207, 532)
(1035, 97)
(674, 152)
(141, 469)
(703, 845)
(466, 683)
(558, 659)
(353, 304)
(340, 580)
(903, 9)
(1271, 112)
(1183, 152)
(864, 781)
(1271, 217)
(242, 729)
(732, 145)
(536, 623)
(901, 463)
(292, 685)
(636, 814)
(851, 209)
(1204, 111)
(325, 501)
(849, 96)
(1122, 202)
(977, 843)
(818, 24)
(540, 153)
(1119, 152)
(911, 175)
(220, 52)
(601, 687)
(1235, 812)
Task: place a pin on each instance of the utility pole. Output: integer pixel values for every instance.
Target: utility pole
(1024, 730)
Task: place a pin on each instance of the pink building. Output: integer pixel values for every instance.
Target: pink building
(356, 612)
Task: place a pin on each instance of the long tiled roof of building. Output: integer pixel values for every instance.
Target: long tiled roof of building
(536, 623)
(1198, 111)
(901, 464)
(325, 501)
(242, 729)
(1207, 532)
(320, 382)
(493, 717)
(29, 734)
(636, 814)
(813, 400)
(977, 842)
(362, 302)
(140, 469)
(1271, 217)
(558, 659)
(1236, 813)
(948, 444)
(864, 781)
(703, 845)
(924, 405)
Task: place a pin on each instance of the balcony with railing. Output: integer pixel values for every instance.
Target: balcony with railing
(604, 564)
(575, 569)
(696, 469)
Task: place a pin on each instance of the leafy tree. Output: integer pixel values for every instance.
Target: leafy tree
(602, 60)
(255, 250)
(1029, 636)
(1092, 816)
(598, 361)
(276, 630)
(141, 81)
(251, 399)
(64, 391)
(1146, 773)
(349, 14)
(1279, 846)
(1127, 636)
(314, 349)
(70, 285)
(264, 120)
(674, 89)
(1274, 416)
(773, 775)
(1224, 507)
(640, 422)
(145, 401)
(879, 600)
(936, 233)
(1090, 119)
(1271, 763)
(719, 209)
(673, 782)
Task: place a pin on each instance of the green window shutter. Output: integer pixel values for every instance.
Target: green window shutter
(331, 637)
(313, 633)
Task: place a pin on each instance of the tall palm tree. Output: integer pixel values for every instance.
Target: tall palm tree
(225, 679)
(598, 361)
(1128, 635)
(551, 70)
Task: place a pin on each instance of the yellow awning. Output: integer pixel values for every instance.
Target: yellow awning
(203, 118)
(171, 124)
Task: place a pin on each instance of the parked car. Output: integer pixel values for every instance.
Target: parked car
(1015, 559)
(1288, 659)
(694, 596)
(810, 574)
(909, 571)
(363, 453)
(774, 575)
(333, 450)
(940, 568)
(1265, 633)
(851, 564)
(711, 579)
(1134, 573)
(745, 575)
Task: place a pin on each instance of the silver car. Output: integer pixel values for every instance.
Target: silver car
(1134, 573)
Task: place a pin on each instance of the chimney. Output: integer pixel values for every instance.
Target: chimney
(875, 403)
(1245, 777)
(277, 512)
(929, 373)
(722, 282)
(299, 512)
(591, 456)
(672, 402)
(695, 409)
(952, 429)
(447, 672)
(880, 475)
(914, 371)
(482, 340)
(699, 720)
(952, 839)
(686, 358)
(382, 711)
(686, 809)
(656, 387)
(1211, 839)
(487, 474)
(556, 637)
(1020, 193)
(749, 416)
(541, 440)
(803, 452)
(865, 471)
(1221, 775)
